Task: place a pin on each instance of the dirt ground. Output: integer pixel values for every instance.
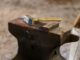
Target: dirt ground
(11, 9)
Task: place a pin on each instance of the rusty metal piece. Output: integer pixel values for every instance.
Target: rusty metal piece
(33, 43)
(33, 40)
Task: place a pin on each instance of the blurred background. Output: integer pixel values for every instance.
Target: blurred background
(11, 9)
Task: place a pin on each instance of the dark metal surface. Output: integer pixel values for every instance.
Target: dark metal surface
(33, 44)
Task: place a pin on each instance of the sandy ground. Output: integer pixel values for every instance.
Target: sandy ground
(11, 9)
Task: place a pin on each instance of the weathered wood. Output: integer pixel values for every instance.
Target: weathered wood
(77, 22)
